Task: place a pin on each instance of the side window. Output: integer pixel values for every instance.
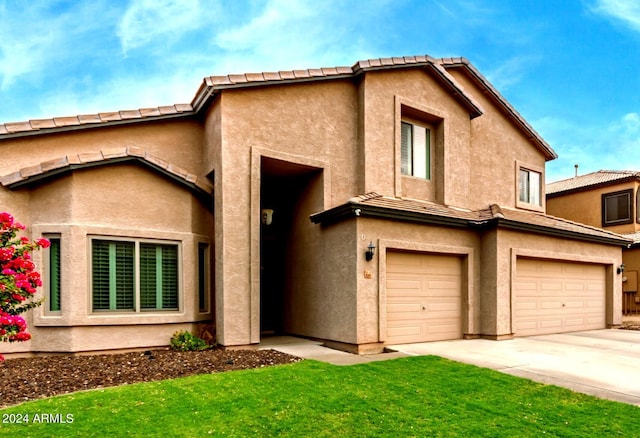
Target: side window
(617, 208)
(53, 277)
(203, 277)
(415, 149)
(529, 186)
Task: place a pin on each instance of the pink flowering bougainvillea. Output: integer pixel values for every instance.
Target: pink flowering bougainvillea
(18, 279)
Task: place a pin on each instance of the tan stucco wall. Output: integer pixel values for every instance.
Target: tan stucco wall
(586, 207)
(388, 97)
(497, 147)
(178, 142)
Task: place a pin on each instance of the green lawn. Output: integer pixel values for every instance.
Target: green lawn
(416, 396)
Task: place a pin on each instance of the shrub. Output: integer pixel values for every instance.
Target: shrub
(187, 341)
(18, 279)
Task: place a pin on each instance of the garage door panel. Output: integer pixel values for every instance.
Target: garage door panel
(423, 297)
(566, 297)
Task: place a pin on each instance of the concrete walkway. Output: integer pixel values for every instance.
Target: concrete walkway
(604, 363)
(308, 349)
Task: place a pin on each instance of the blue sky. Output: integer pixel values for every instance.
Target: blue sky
(570, 67)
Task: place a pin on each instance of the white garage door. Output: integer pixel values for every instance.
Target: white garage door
(558, 297)
(423, 297)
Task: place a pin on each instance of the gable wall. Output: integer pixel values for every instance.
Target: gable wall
(496, 145)
(385, 94)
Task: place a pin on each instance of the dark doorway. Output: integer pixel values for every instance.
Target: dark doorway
(284, 192)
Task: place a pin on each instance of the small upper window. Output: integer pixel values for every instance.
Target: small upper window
(529, 186)
(616, 208)
(416, 150)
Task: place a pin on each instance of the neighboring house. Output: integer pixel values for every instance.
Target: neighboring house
(399, 200)
(608, 199)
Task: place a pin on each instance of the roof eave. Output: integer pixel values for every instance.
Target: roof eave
(93, 125)
(565, 234)
(477, 77)
(353, 210)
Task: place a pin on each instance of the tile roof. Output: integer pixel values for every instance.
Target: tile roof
(501, 102)
(590, 180)
(32, 174)
(212, 85)
(633, 236)
(375, 205)
(39, 126)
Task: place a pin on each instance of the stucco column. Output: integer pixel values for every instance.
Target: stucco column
(233, 252)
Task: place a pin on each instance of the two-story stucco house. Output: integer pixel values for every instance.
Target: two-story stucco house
(608, 199)
(398, 200)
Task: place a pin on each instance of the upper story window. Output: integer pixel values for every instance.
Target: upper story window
(616, 208)
(415, 149)
(134, 276)
(529, 186)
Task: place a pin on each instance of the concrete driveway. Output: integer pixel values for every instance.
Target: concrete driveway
(604, 363)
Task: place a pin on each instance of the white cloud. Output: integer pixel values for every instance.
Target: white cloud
(511, 71)
(297, 34)
(613, 145)
(162, 21)
(627, 11)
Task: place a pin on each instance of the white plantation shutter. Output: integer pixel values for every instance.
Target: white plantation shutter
(406, 145)
(534, 188)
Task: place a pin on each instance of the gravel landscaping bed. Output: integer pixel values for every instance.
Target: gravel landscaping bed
(25, 379)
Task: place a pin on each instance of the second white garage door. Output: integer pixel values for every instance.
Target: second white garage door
(424, 299)
(558, 297)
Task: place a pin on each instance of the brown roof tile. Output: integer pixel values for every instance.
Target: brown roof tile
(26, 172)
(286, 75)
(89, 118)
(41, 169)
(12, 178)
(66, 121)
(18, 126)
(90, 157)
(167, 109)
(149, 112)
(135, 151)
(110, 116)
(255, 77)
(271, 76)
(115, 152)
(57, 163)
(130, 114)
(42, 124)
(590, 180)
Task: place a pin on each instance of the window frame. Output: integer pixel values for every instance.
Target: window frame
(53, 274)
(137, 304)
(527, 204)
(414, 155)
(204, 276)
(631, 214)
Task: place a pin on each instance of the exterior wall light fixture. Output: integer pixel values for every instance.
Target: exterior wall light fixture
(371, 251)
(621, 269)
(266, 216)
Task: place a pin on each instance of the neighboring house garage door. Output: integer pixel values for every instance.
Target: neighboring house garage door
(423, 297)
(557, 297)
